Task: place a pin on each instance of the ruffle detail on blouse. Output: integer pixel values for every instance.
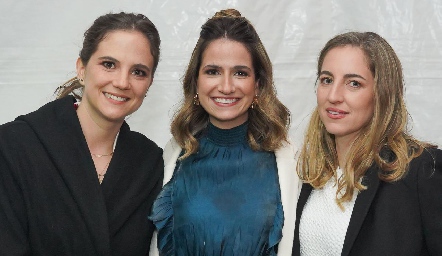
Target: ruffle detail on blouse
(275, 234)
(162, 217)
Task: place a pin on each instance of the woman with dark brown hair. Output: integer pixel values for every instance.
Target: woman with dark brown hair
(74, 179)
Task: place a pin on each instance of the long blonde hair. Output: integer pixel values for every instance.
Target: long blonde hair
(269, 119)
(384, 141)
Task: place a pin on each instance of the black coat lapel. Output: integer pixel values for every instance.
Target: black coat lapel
(57, 126)
(361, 207)
(302, 200)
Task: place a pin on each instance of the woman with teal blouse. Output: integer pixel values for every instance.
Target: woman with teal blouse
(230, 180)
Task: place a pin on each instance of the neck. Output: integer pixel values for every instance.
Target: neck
(100, 136)
(343, 144)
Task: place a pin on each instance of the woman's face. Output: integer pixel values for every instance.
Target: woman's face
(345, 93)
(117, 76)
(226, 83)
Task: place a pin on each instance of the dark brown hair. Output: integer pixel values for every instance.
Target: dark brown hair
(96, 33)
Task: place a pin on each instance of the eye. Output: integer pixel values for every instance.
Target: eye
(139, 72)
(326, 80)
(108, 64)
(211, 72)
(354, 83)
(241, 73)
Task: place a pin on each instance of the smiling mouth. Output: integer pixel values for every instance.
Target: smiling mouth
(225, 101)
(334, 112)
(113, 97)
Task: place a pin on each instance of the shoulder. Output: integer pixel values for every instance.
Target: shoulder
(286, 163)
(287, 150)
(12, 126)
(51, 109)
(14, 132)
(426, 169)
(140, 143)
(138, 140)
(171, 151)
(431, 158)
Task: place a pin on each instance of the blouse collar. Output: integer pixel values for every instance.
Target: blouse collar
(227, 137)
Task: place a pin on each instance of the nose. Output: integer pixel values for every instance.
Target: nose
(121, 81)
(226, 85)
(336, 92)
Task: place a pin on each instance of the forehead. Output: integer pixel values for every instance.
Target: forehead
(225, 50)
(123, 36)
(346, 58)
(125, 43)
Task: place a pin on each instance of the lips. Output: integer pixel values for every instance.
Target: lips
(114, 97)
(336, 113)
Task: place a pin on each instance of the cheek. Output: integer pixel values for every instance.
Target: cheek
(202, 86)
(142, 85)
(369, 103)
(370, 110)
(320, 96)
(367, 109)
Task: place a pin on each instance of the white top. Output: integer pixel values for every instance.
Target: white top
(323, 224)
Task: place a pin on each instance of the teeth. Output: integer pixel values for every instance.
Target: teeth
(110, 96)
(224, 100)
(333, 112)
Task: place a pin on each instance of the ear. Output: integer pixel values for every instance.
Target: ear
(257, 87)
(150, 84)
(80, 69)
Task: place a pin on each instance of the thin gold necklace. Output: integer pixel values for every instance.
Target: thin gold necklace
(98, 155)
(103, 172)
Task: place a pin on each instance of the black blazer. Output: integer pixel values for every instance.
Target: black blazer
(399, 218)
(51, 202)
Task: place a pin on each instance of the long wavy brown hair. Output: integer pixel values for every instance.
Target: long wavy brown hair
(268, 121)
(384, 141)
(98, 31)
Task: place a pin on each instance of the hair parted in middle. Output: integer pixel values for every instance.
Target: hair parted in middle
(384, 141)
(268, 121)
(100, 28)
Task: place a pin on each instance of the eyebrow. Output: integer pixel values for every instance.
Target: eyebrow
(234, 67)
(351, 75)
(242, 67)
(139, 65)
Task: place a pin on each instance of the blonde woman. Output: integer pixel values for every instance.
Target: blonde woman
(369, 188)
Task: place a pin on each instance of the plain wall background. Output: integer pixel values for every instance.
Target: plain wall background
(40, 41)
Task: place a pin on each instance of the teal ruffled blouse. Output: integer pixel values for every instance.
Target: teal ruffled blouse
(223, 200)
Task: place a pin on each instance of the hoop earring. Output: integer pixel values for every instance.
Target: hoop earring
(196, 101)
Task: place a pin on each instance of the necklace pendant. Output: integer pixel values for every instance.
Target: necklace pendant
(101, 155)
(100, 177)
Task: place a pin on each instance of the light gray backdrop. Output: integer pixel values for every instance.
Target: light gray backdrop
(40, 41)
